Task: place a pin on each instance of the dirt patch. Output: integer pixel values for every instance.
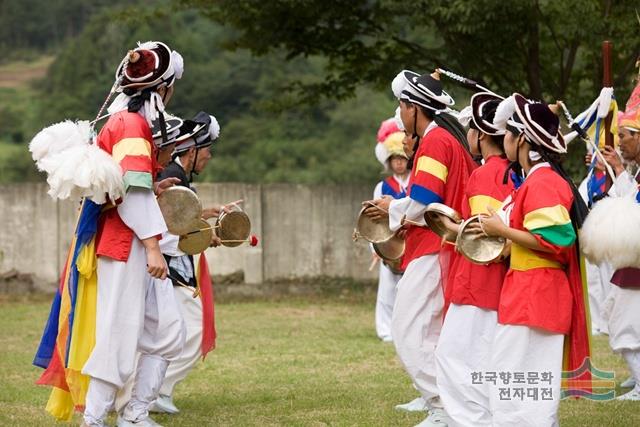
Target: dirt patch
(17, 74)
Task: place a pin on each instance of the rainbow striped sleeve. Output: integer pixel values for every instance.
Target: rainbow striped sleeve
(134, 157)
(551, 223)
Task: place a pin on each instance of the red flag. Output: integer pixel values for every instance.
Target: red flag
(208, 313)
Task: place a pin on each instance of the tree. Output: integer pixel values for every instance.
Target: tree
(541, 48)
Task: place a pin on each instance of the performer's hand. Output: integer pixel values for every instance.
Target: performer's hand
(212, 212)
(156, 265)
(160, 186)
(402, 233)
(613, 158)
(449, 224)
(492, 224)
(378, 210)
(215, 241)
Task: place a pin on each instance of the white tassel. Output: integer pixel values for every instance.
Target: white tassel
(56, 138)
(611, 232)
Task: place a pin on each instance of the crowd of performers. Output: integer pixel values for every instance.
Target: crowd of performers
(126, 327)
(487, 344)
(483, 344)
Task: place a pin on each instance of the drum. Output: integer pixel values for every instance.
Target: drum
(197, 239)
(433, 217)
(478, 249)
(234, 225)
(180, 208)
(391, 252)
(372, 231)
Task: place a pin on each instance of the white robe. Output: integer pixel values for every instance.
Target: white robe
(134, 312)
(623, 304)
(464, 348)
(533, 353)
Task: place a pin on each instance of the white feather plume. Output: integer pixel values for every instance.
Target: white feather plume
(505, 110)
(177, 62)
(84, 171)
(214, 128)
(147, 45)
(611, 232)
(57, 138)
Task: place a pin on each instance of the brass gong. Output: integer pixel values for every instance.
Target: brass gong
(233, 228)
(180, 208)
(433, 217)
(391, 252)
(478, 249)
(198, 238)
(372, 231)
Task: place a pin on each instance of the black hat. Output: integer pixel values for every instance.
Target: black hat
(425, 90)
(483, 110)
(541, 124)
(172, 126)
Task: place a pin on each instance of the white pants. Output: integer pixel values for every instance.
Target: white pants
(534, 353)
(632, 357)
(134, 313)
(621, 312)
(416, 324)
(387, 283)
(598, 285)
(179, 368)
(464, 348)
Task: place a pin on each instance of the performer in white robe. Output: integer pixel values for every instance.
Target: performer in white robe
(135, 308)
(622, 305)
(441, 167)
(391, 155)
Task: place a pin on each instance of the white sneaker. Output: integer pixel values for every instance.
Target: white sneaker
(628, 383)
(438, 417)
(631, 395)
(387, 339)
(145, 422)
(416, 405)
(164, 405)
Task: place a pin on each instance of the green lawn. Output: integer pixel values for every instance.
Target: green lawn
(288, 362)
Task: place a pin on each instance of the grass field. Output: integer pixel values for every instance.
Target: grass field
(288, 362)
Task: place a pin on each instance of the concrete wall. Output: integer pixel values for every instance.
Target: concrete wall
(303, 231)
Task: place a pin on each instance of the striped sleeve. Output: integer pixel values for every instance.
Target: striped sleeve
(551, 221)
(134, 157)
(430, 172)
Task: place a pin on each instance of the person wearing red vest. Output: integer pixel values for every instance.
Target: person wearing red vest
(473, 290)
(440, 170)
(391, 155)
(136, 311)
(541, 302)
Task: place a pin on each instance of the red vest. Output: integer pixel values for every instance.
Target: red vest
(127, 137)
(469, 283)
(440, 172)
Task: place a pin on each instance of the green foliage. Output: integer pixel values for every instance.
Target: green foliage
(542, 48)
(27, 26)
(266, 136)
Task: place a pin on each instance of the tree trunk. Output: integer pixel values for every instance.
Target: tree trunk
(533, 58)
